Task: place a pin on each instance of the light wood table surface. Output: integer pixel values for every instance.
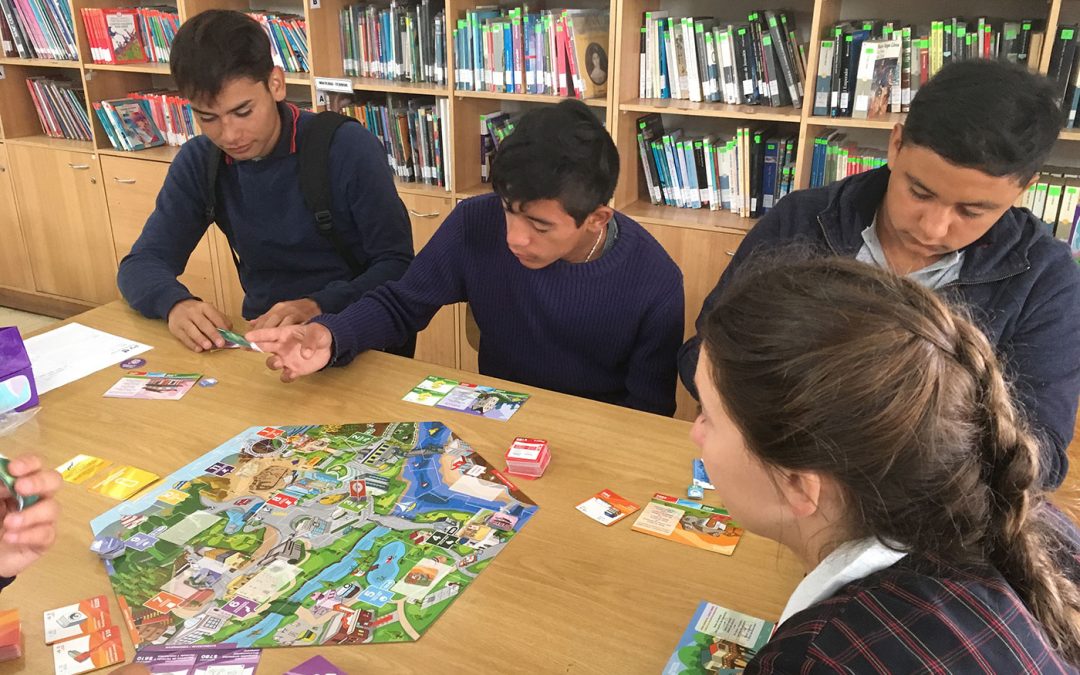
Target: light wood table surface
(566, 596)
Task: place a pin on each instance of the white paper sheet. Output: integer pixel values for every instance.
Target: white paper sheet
(74, 351)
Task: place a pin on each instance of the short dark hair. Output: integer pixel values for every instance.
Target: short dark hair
(216, 46)
(559, 152)
(998, 118)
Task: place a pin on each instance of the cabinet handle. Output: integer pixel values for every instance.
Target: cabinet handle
(731, 253)
(79, 167)
(124, 181)
(433, 214)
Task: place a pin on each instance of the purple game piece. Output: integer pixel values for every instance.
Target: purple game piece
(131, 364)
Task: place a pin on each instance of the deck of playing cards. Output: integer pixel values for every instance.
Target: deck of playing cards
(528, 457)
(10, 635)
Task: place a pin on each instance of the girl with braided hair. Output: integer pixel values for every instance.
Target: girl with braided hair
(867, 426)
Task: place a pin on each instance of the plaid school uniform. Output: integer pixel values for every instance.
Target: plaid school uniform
(920, 615)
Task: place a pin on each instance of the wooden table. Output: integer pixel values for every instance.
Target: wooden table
(567, 594)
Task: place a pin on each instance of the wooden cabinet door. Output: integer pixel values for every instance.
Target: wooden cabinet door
(131, 188)
(437, 343)
(14, 260)
(66, 222)
(702, 255)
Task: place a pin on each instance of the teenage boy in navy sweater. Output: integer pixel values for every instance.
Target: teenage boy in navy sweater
(290, 272)
(941, 213)
(568, 294)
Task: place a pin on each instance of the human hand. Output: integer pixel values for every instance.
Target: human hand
(25, 535)
(290, 313)
(195, 324)
(294, 350)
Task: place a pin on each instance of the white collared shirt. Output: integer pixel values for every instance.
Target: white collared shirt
(849, 562)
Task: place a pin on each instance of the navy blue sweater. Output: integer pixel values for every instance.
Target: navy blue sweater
(282, 255)
(608, 330)
(1021, 285)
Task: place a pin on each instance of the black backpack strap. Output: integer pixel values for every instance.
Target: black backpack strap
(214, 159)
(315, 180)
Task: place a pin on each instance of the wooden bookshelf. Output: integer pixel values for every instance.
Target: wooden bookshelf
(163, 153)
(646, 212)
(43, 141)
(526, 98)
(886, 122)
(147, 68)
(39, 63)
(749, 113)
(395, 87)
(1070, 134)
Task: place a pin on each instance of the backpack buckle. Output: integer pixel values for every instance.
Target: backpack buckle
(324, 221)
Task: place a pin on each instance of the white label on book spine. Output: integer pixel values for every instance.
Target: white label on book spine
(862, 103)
(334, 84)
(821, 100)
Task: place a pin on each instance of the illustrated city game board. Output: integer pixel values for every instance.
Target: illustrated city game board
(305, 535)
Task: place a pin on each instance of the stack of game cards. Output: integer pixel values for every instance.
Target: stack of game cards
(108, 548)
(83, 637)
(10, 635)
(527, 457)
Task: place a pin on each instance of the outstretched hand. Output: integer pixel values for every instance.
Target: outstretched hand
(295, 350)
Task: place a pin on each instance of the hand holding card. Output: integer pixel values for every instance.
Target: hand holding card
(27, 528)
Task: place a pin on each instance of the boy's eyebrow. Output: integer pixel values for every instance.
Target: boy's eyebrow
(203, 112)
(977, 205)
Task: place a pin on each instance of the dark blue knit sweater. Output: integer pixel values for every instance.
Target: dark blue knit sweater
(608, 330)
(282, 255)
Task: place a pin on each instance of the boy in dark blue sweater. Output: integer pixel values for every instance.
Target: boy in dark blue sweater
(289, 271)
(568, 294)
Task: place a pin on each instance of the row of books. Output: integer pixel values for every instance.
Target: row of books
(61, 107)
(1064, 71)
(37, 29)
(288, 40)
(556, 52)
(415, 133)
(835, 158)
(759, 62)
(403, 42)
(124, 35)
(494, 127)
(868, 69)
(146, 119)
(128, 124)
(1055, 197)
(746, 174)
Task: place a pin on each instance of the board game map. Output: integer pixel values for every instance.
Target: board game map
(308, 535)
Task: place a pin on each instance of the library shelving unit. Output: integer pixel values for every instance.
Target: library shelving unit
(58, 197)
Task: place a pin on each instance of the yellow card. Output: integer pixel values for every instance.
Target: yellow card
(80, 467)
(123, 482)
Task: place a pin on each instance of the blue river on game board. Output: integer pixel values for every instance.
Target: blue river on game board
(259, 630)
(340, 569)
(429, 493)
(387, 561)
